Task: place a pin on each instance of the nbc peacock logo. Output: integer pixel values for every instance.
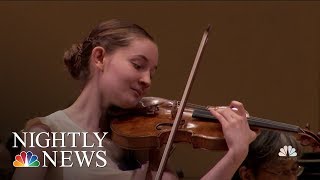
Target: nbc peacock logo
(26, 160)
(287, 151)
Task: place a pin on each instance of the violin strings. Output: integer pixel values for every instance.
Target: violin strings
(260, 122)
(273, 124)
(255, 121)
(200, 107)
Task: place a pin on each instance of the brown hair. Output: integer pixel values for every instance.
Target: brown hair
(110, 35)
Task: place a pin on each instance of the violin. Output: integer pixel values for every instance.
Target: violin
(158, 121)
(147, 126)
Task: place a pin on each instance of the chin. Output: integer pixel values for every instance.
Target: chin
(129, 102)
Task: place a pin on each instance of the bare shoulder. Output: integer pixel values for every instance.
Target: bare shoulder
(36, 124)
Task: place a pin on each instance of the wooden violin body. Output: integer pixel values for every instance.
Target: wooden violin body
(148, 126)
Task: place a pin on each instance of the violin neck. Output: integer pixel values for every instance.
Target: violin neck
(205, 114)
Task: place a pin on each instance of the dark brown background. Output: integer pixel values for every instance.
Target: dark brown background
(265, 54)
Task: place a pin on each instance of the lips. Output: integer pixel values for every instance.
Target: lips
(138, 92)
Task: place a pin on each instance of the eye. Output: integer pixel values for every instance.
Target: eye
(136, 66)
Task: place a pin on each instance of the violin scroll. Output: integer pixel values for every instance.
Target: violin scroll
(308, 138)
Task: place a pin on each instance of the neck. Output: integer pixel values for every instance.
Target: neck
(88, 110)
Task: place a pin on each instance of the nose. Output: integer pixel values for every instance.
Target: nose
(145, 80)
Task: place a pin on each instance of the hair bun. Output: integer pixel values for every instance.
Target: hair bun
(72, 59)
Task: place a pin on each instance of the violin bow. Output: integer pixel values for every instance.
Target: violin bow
(183, 101)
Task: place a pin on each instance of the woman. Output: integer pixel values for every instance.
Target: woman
(263, 161)
(116, 63)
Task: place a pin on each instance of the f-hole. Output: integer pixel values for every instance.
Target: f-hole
(162, 126)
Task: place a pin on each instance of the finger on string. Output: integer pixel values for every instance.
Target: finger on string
(220, 118)
(240, 108)
(228, 114)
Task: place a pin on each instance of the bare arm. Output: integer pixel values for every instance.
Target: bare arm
(33, 173)
(148, 171)
(155, 158)
(238, 136)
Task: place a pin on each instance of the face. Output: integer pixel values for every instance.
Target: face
(285, 170)
(128, 72)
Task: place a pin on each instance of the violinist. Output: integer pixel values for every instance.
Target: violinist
(116, 64)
